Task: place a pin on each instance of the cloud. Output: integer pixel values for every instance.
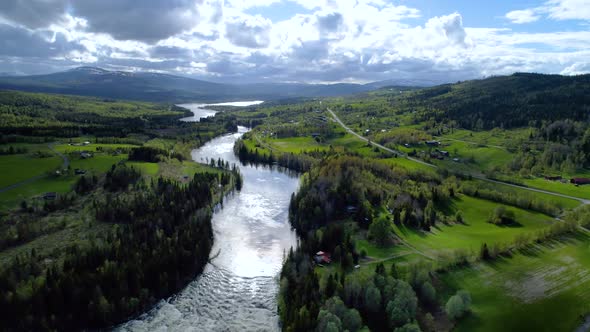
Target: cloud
(451, 25)
(33, 13)
(577, 68)
(522, 16)
(171, 52)
(330, 22)
(568, 9)
(326, 41)
(146, 20)
(251, 32)
(558, 10)
(20, 42)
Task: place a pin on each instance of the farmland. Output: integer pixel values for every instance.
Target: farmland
(544, 288)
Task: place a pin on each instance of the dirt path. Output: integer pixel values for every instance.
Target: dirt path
(66, 164)
(475, 176)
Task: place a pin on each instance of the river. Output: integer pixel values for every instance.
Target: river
(238, 289)
(201, 110)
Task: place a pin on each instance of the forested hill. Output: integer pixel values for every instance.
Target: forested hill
(505, 101)
(91, 81)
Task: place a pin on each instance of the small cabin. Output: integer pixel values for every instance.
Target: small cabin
(432, 143)
(436, 156)
(85, 155)
(322, 258)
(78, 171)
(445, 153)
(580, 181)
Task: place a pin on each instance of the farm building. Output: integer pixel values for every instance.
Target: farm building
(432, 143)
(580, 181)
(322, 258)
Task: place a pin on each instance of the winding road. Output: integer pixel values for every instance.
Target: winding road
(475, 176)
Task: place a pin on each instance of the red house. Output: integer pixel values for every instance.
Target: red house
(322, 258)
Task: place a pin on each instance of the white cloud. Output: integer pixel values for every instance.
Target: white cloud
(331, 41)
(577, 68)
(553, 9)
(568, 9)
(249, 31)
(523, 16)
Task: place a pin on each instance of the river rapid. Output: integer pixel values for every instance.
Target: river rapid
(238, 289)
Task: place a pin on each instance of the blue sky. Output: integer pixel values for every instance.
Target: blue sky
(317, 41)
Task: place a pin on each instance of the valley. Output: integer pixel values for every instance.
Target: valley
(414, 216)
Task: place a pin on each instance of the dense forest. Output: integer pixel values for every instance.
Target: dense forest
(121, 238)
(519, 100)
(353, 188)
(159, 238)
(37, 118)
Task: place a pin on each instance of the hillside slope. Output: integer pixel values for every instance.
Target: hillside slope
(91, 81)
(505, 101)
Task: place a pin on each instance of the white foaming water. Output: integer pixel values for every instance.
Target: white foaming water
(238, 289)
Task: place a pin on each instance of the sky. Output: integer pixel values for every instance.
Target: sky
(311, 41)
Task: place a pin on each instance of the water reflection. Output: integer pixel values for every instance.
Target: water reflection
(237, 291)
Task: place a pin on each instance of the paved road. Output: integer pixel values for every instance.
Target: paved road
(66, 164)
(475, 176)
(401, 154)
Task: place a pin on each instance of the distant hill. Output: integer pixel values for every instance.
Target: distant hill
(508, 101)
(91, 81)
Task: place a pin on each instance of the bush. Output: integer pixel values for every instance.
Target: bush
(380, 232)
(428, 293)
(458, 305)
(502, 216)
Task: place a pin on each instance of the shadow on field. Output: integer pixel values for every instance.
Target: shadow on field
(556, 243)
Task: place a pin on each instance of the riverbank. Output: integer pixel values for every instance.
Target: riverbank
(237, 290)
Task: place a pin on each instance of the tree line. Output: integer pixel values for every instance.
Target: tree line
(158, 239)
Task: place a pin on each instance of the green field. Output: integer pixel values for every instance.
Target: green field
(558, 187)
(69, 149)
(470, 235)
(476, 229)
(474, 157)
(20, 167)
(16, 168)
(564, 203)
(297, 144)
(149, 169)
(497, 136)
(11, 198)
(408, 164)
(546, 288)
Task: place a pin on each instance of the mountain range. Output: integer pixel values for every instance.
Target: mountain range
(92, 81)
